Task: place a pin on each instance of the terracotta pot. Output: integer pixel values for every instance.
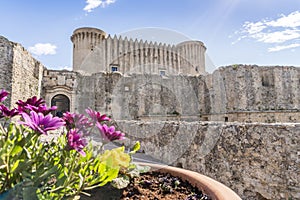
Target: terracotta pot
(209, 186)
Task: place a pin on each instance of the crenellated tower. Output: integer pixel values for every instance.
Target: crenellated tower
(86, 42)
(192, 54)
(94, 51)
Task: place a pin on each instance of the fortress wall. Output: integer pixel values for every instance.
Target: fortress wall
(85, 94)
(245, 94)
(27, 75)
(138, 96)
(255, 116)
(258, 161)
(248, 90)
(60, 82)
(6, 62)
(21, 74)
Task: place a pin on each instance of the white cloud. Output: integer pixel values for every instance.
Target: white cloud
(278, 36)
(286, 28)
(279, 48)
(43, 49)
(292, 20)
(253, 28)
(92, 4)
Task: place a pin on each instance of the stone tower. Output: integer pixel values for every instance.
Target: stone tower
(94, 52)
(85, 41)
(192, 55)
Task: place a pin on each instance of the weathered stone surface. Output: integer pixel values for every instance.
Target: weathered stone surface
(245, 93)
(258, 161)
(252, 93)
(27, 75)
(21, 74)
(240, 93)
(6, 61)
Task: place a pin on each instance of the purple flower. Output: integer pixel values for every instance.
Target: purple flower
(40, 109)
(96, 116)
(5, 112)
(69, 119)
(76, 141)
(40, 123)
(33, 102)
(109, 133)
(3, 95)
(78, 121)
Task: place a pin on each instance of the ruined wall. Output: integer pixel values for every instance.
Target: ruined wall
(241, 93)
(258, 161)
(21, 75)
(27, 75)
(254, 93)
(6, 60)
(147, 97)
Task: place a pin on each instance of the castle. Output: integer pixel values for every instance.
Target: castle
(161, 95)
(94, 51)
(141, 80)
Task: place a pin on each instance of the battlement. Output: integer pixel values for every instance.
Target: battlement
(94, 51)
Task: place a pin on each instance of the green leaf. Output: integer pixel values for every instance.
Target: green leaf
(17, 149)
(15, 165)
(66, 171)
(135, 148)
(23, 165)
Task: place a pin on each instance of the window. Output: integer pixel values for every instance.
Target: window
(114, 69)
(162, 72)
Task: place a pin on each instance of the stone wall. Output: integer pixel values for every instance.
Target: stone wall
(27, 75)
(258, 161)
(21, 74)
(127, 97)
(248, 90)
(233, 93)
(6, 60)
(61, 82)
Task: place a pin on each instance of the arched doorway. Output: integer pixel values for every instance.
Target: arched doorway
(62, 103)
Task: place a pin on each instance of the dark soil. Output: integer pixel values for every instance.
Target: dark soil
(151, 186)
(155, 186)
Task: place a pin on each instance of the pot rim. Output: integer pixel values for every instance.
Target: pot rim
(209, 186)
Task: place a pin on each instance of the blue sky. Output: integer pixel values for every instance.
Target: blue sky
(262, 32)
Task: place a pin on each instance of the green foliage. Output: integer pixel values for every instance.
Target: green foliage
(130, 171)
(34, 169)
(235, 66)
(135, 148)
